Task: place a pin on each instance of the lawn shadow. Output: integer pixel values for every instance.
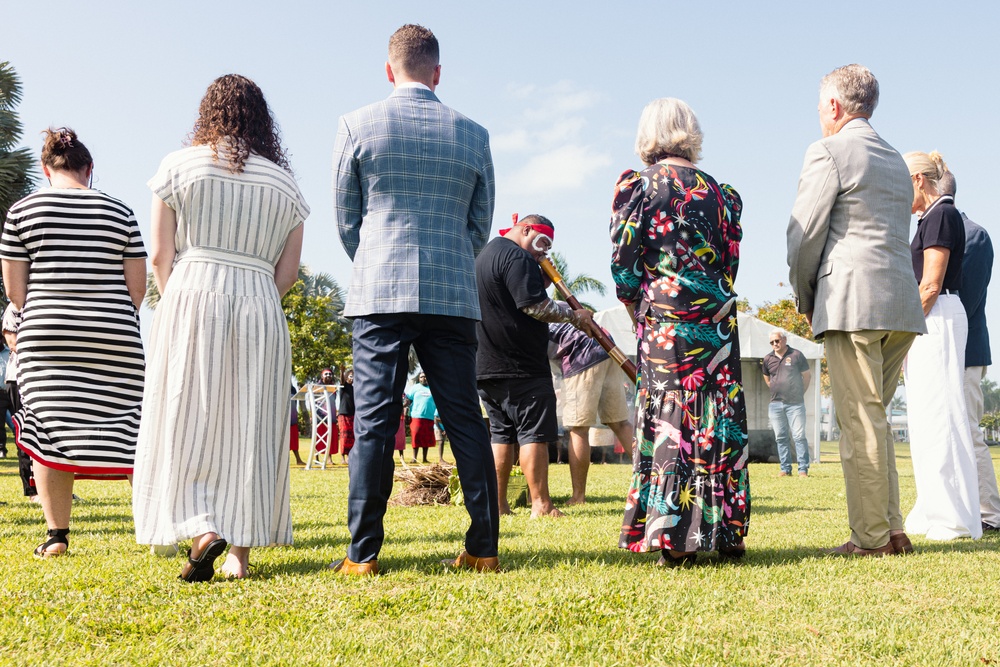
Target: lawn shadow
(755, 556)
(449, 536)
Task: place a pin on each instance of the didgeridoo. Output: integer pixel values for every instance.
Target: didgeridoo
(609, 345)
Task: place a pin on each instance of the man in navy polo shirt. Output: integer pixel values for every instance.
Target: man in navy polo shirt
(977, 265)
(786, 373)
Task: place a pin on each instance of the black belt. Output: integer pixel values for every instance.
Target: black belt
(950, 291)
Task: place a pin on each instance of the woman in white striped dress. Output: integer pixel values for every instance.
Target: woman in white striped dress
(212, 460)
(74, 265)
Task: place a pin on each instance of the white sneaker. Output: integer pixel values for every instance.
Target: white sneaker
(164, 550)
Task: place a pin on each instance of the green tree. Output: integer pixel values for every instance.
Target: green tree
(990, 425)
(991, 395)
(318, 340)
(578, 285)
(152, 293)
(320, 334)
(17, 165)
(898, 404)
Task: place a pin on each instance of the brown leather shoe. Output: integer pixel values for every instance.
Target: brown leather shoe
(349, 567)
(901, 544)
(851, 549)
(467, 561)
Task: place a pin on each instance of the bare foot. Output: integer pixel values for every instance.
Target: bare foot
(576, 501)
(236, 565)
(505, 509)
(549, 512)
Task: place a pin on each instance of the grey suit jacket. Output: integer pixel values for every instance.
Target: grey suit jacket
(413, 181)
(848, 239)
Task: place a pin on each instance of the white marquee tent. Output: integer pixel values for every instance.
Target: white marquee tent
(754, 345)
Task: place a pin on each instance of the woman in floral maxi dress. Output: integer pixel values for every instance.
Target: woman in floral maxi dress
(676, 237)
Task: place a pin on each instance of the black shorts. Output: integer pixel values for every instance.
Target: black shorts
(521, 410)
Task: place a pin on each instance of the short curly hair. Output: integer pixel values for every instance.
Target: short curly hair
(233, 112)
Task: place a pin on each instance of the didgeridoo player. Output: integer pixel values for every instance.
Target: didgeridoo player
(512, 367)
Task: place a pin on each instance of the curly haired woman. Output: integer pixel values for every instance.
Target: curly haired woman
(212, 458)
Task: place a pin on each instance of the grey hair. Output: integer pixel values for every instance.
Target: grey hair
(947, 184)
(854, 86)
(780, 332)
(668, 126)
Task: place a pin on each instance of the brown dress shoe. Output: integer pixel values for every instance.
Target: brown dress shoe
(349, 567)
(467, 561)
(900, 544)
(851, 549)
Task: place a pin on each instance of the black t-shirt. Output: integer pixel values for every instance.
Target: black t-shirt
(942, 226)
(346, 405)
(785, 375)
(511, 344)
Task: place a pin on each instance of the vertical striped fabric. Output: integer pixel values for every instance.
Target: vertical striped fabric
(213, 450)
(80, 354)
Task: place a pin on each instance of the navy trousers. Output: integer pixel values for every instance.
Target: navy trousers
(446, 347)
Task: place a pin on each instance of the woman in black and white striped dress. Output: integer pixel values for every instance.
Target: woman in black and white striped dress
(74, 265)
(212, 460)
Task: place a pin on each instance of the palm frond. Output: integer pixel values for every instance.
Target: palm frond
(10, 86)
(577, 284)
(152, 292)
(17, 177)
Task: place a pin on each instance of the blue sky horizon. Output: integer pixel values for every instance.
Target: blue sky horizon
(559, 86)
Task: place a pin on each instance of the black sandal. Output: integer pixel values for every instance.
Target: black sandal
(202, 568)
(669, 560)
(733, 553)
(56, 536)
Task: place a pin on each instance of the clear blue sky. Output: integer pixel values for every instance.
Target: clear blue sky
(559, 86)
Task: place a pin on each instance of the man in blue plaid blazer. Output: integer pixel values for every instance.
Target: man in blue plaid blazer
(414, 206)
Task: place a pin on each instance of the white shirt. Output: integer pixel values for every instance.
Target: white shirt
(413, 84)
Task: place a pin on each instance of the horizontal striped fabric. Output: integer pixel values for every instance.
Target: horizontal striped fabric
(213, 444)
(80, 356)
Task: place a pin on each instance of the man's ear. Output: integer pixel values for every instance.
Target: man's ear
(388, 73)
(836, 108)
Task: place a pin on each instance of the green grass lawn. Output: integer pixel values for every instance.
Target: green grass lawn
(568, 596)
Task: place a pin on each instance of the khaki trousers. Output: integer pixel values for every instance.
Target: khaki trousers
(989, 497)
(864, 373)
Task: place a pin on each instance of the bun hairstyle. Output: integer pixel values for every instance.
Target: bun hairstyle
(931, 165)
(63, 151)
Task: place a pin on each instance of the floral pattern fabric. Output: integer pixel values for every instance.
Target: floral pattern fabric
(677, 234)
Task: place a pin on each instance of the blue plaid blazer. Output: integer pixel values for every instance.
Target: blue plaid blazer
(413, 181)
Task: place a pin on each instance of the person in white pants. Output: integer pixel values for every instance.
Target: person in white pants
(977, 265)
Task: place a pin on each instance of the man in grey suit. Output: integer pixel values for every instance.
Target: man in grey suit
(414, 205)
(851, 271)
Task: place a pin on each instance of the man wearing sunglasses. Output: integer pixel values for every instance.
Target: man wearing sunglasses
(786, 372)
